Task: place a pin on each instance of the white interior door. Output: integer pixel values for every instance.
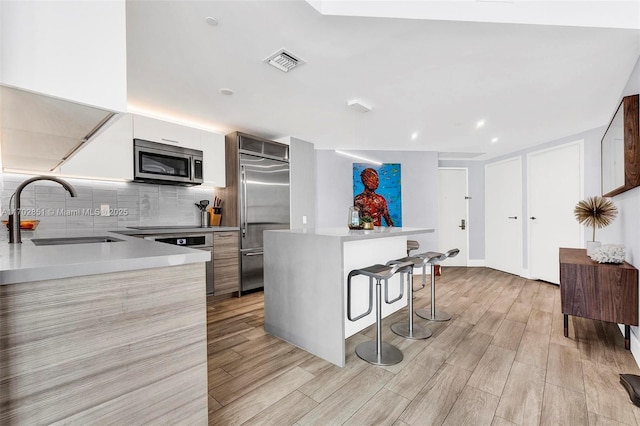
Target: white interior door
(554, 188)
(453, 220)
(503, 216)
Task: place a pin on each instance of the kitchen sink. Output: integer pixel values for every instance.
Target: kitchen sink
(73, 240)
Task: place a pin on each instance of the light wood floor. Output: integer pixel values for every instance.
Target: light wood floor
(501, 360)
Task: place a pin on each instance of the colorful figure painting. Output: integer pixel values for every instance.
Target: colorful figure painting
(377, 193)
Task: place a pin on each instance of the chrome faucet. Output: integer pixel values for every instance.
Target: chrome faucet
(14, 219)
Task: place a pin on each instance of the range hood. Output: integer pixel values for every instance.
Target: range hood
(38, 133)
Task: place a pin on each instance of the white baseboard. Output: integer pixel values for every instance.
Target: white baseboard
(525, 274)
(475, 263)
(635, 344)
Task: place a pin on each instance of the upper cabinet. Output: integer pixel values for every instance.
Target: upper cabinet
(214, 158)
(39, 132)
(69, 50)
(211, 144)
(154, 130)
(109, 155)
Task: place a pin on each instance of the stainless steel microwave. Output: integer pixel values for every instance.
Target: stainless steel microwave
(166, 164)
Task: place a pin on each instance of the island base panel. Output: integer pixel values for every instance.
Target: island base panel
(125, 347)
(305, 292)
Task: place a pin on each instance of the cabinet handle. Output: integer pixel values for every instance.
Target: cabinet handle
(243, 182)
(257, 253)
(169, 140)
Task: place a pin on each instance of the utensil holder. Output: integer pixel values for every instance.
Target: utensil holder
(215, 219)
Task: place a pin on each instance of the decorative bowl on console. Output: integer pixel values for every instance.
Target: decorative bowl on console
(366, 222)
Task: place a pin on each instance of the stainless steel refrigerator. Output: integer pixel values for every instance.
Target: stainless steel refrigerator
(264, 205)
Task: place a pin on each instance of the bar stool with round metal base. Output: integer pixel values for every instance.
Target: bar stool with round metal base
(412, 245)
(409, 329)
(427, 256)
(376, 352)
(433, 258)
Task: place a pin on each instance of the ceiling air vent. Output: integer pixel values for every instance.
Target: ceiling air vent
(283, 60)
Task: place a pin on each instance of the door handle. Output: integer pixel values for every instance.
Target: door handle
(463, 224)
(532, 218)
(243, 182)
(513, 217)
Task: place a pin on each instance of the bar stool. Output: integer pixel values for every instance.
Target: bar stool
(377, 352)
(412, 245)
(408, 329)
(427, 255)
(433, 258)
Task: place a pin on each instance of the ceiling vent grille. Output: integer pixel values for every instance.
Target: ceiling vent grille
(284, 60)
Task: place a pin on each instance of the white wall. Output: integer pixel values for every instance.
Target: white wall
(591, 142)
(419, 173)
(626, 228)
(302, 183)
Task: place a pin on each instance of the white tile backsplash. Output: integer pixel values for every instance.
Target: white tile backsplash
(145, 204)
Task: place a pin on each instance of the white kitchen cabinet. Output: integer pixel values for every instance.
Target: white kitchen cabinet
(72, 50)
(115, 143)
(212, 145)
(154, 130)
(109, 155)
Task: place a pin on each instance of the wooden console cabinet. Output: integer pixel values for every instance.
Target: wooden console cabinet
(599, 291)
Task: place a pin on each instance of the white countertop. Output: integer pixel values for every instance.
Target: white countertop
(346, 234)
(27, 262)
(178, 229)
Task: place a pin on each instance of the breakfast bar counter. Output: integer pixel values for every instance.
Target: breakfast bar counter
(305, 283)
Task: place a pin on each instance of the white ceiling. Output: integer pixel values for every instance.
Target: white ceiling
(530, 83)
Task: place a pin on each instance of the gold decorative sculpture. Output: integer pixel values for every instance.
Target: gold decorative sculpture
(597, 212)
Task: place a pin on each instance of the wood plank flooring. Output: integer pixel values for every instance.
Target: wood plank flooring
(501, 360)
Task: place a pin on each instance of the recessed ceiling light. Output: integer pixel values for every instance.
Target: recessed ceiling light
(479, 124)
(211, 21)
(494, 140)
(414, 136)
(226, 91)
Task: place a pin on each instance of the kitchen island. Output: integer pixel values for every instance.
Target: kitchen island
(102, 332)
(305, 283)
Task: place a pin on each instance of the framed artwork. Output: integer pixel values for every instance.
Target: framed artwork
(377, 192)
